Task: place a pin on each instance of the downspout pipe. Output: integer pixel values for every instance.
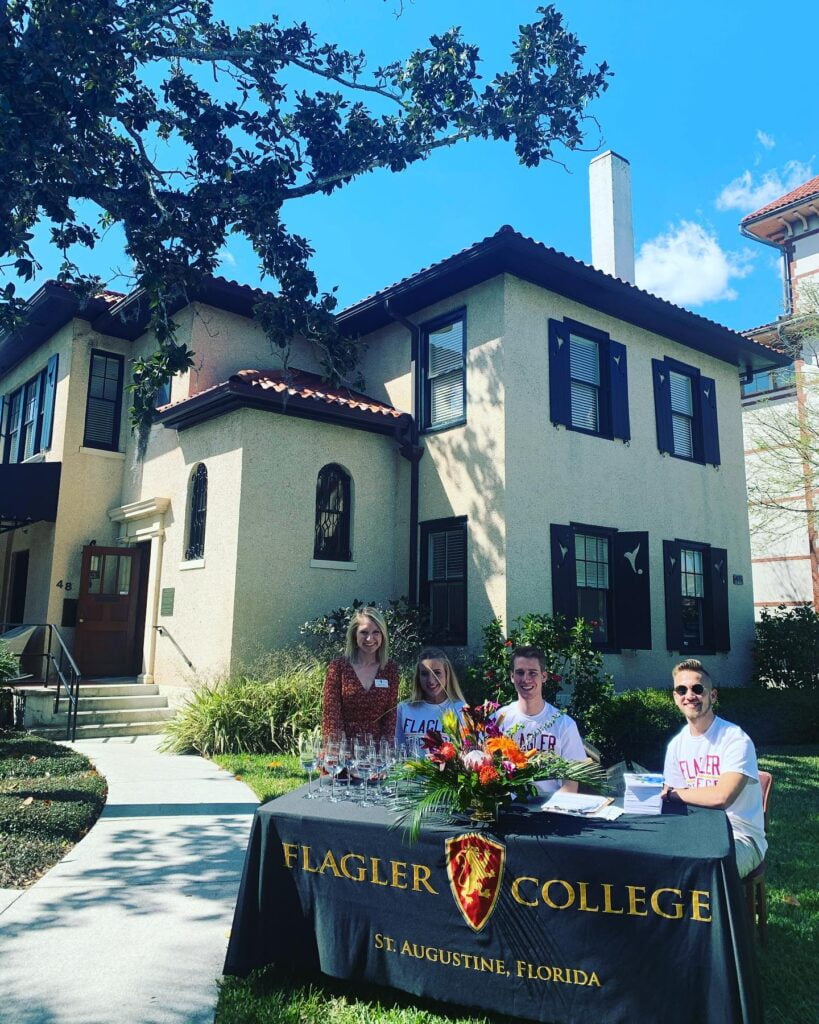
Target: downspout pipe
(782, 249)
(406, 434)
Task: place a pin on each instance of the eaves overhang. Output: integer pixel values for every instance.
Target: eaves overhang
(508, 252)
(233, 394)
(53, 306)
(50, 308)
(129, 319)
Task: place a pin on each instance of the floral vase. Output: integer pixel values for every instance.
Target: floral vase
(484, 812)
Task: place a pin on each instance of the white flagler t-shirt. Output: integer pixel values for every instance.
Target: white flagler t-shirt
(417, 717)
(549, 731)
(692, 762)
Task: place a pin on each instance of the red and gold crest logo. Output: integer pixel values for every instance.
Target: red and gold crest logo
(474, 865)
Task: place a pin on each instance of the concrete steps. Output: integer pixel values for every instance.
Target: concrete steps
(116, 707)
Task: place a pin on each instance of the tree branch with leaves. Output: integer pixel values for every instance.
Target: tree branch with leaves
(162, 118)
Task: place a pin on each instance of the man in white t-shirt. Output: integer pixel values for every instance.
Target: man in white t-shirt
(536, 724)
(712, 763)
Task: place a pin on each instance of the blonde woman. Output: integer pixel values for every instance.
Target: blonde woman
(361, 688)
(435, 691)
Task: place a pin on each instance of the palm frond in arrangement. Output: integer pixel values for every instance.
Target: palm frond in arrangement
(472, 766)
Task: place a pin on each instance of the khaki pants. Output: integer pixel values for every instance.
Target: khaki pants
(747, 855)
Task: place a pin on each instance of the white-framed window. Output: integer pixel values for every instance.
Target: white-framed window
(443, 359)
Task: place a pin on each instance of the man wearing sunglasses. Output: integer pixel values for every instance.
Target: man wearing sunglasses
(712, 763)
(535, 724)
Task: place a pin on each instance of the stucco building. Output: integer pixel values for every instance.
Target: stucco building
(781, 410)
(536, 435)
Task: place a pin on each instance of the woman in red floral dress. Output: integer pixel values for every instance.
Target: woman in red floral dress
(361, 689)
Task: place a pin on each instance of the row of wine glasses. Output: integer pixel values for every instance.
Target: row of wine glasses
(358, 769)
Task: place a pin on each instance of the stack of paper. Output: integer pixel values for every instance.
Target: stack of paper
(643, 793)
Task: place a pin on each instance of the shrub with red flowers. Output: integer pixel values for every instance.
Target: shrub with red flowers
(477, 767)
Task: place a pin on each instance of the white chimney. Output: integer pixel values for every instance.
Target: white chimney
(612, 235)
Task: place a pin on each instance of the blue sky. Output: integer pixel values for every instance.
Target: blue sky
(712, 104)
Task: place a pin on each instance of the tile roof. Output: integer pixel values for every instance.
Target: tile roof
(110, 298)
(508, 232)
(806, 191)
(310, 385)
(508, 251)
(297, 384)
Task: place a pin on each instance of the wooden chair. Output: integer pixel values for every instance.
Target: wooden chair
(754, 883)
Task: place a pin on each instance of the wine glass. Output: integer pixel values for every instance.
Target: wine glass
(363, 767)
(331, 747)
(307, 758)
(345, 761)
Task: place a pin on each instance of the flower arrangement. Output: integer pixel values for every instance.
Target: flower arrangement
(472, 767)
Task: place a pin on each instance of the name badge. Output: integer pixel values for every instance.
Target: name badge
(382, 684)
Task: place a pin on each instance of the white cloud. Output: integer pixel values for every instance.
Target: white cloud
(766, 140)
(688, 266)
(746, 194)
(226, 258)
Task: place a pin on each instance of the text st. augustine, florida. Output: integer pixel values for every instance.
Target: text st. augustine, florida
(492, 965)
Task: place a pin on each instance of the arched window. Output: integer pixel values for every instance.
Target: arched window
(198, 513)
(333, 509)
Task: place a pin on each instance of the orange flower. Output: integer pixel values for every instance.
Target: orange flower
(488, 774)
(508, 749)
(447, 751)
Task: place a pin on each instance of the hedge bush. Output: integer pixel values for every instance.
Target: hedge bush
(787, 648)
(49, 797)
(772, 717)
(637, 725)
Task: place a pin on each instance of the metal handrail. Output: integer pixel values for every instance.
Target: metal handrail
(70, 685)
(63, 666)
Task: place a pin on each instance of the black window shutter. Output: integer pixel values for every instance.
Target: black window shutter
(564, 574)
(719, 600)
(48, 401)
(4, 427)
(662, 405)
(618, 375)
(672, 578)
(560, 387)
(632, 593)
(710, 430)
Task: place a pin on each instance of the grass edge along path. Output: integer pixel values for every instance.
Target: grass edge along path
(790, 980)
(50, 796)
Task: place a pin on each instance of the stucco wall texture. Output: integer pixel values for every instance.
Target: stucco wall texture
(513, 473)
(508, 469)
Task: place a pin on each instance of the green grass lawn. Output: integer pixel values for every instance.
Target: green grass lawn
(49, 798)
(788, 966)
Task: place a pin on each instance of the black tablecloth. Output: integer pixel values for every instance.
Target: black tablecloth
(548, 917)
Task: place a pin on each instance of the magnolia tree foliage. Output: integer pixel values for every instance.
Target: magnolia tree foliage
(157, 116)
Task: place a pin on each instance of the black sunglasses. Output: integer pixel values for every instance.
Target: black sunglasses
(697, 688)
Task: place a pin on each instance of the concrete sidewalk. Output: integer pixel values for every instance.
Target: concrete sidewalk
(131, 926)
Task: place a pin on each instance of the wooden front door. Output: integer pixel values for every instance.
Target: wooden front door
(108, 611)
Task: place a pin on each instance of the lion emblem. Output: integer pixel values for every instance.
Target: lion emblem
(475, 868)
